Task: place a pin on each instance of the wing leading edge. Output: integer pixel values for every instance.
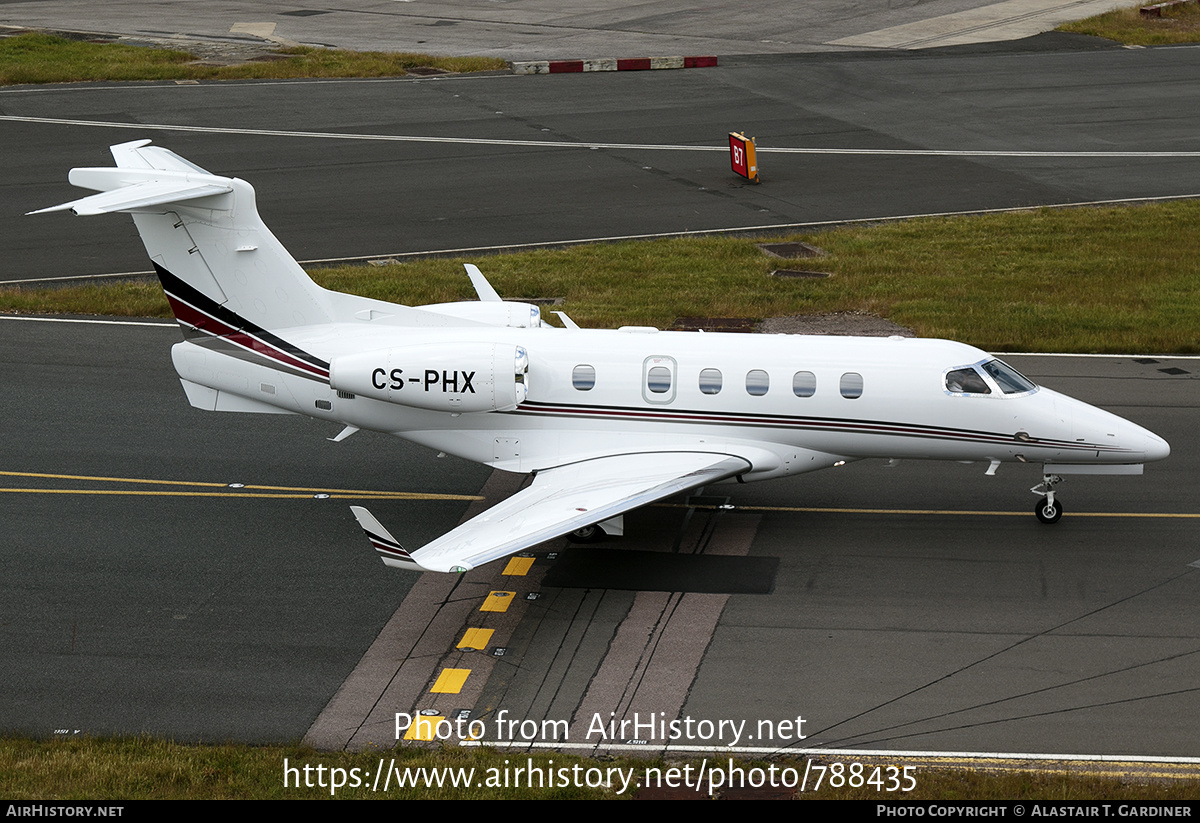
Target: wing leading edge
(559, 501)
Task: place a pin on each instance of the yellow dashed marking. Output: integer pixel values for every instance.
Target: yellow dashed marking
(450, 681)
(497, 602)
(476, 639)
(422, 728)
(518, 566)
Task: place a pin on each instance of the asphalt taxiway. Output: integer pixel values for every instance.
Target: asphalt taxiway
(184, 574)
(916, 607)
(387, 167)
(910, 608)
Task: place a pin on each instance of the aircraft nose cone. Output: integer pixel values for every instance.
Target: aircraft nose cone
(1156, 448)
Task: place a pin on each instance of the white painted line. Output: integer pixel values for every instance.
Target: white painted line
(78, 277)
(660, 235)
(565, 144)
(820, 752)
(751, 229)
(153, 324)
(93, 87)
(96, 322)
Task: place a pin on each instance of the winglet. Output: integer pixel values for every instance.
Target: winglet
(390, 550)
(482, 287)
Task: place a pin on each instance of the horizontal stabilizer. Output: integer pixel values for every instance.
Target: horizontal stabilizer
(132, 190)
(571, 497)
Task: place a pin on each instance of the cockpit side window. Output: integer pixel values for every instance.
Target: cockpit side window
(966, 381)
(1007, 378)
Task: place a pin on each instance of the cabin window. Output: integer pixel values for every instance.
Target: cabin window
(966, 381)
(757, 382)
(658, 379)
(804, 384)
(851, 385)
(583, 378)
(710, 381)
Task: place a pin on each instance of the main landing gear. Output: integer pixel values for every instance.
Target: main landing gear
(612, 527)
(1048, 510)
(588, 534)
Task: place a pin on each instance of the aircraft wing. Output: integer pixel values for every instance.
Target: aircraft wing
(559, 501)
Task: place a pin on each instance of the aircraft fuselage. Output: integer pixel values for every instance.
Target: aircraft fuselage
(791, 403)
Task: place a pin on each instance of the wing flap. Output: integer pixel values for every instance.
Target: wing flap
(566, 498)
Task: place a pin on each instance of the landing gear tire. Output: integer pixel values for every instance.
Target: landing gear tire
(588, 534)
(1048, 512)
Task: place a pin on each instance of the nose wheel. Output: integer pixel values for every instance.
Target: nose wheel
(1048, 509)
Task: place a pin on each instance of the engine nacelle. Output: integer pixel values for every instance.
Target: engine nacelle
(492, 313)
(462, 377)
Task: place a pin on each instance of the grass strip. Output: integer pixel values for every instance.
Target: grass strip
(1178, 24)
(140, 768)
(45, 58)
(1105, 280)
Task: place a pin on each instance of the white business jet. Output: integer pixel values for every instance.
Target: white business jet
(606, 421)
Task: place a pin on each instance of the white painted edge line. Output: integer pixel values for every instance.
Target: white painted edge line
(747, 229)
(660, 235)
(35, 318)
(564, 144)
(65, 88)
(77, 277)
(158, 325)
(849, 753)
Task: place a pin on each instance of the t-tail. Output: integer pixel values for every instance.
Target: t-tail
(224, 272)
(216, 259)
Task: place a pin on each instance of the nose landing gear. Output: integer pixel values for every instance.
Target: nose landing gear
(1048, 510)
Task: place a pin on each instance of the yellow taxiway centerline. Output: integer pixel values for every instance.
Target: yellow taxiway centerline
(250, 490)
(247, 490)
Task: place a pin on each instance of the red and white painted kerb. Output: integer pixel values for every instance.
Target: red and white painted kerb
(611, 64)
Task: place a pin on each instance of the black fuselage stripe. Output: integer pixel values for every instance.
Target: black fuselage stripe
(233, 323)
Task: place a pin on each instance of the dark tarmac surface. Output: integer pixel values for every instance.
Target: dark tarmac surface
(202, 617)
(352, 197)
(213, 618)
(210, 617)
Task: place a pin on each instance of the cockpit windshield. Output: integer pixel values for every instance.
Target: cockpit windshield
(974, 379)
(1009, 379)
